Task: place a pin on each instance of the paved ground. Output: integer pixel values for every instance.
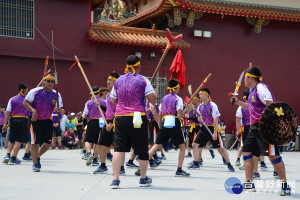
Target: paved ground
(64, 175)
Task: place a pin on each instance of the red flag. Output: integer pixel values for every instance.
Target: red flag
(178, 68)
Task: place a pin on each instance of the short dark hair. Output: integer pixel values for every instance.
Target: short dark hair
(114, 74)
(256, 71)
(205, 90)
(2, 106)
(173, 82)
(95, 88)
(132, 59)
(22, 86)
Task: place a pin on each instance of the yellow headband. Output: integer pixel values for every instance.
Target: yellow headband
(131, 67)
(95, 92)
(254, 76)
(197, 98)
(203, 92)
(22, 92)
(113, 78)
(50, 77)
(173, 88)
(244, 97)
(104, 92)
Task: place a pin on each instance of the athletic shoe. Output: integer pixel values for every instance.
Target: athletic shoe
(95, 163)
(6, 159)
(27, 157)
(212, 153)
(263, 166)
(181, 173)
(115, 184)
(100, 170)
(89, 159)
(224, 161)
(109, 157)
(132, 165)
(275, 175)
(144, 182)
(194, 166)
(122, 172)
(38, 162)
(137, 158)
(230, 167)
(242, 168)
(201, 162)
(237, 163)
(61, 147)
(53, 147)
(285, 191)
(249, 186)
(13, 161)
(189, 155)
(162, 157)
(154, 163)
(256, 176)
(36, 168)
(82, 153)
(138, 172)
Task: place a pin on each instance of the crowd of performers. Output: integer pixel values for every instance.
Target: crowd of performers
(131, 124)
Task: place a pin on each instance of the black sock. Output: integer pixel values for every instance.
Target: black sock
(103, 165)
(196, 162)
(151, 161)
(179, 169)
(238, 159)
(130, 161)
(122, 167)
(109, 154)
(95, 159)
(8, 154)
(262, 162)
(155, 156)
(26, 154)
(162, 154)
(284, 185)
(13, 157)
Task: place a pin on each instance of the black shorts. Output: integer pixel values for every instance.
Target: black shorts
(19, 130)
(192, 135)
(56, 132)
(255, 144)
(245, 133)
(3, 134)
(204, 136)
(153, 128)
(92, 131)
(126, 135)
(164, 134)
(106, 137)
(42, 131)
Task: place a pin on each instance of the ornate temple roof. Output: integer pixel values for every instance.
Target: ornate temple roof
(132, 36)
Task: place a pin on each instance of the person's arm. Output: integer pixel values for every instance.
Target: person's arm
(215, 134)
(27, 105)
(4, 128)
(159, 119)
(238, 125)
(238, 102)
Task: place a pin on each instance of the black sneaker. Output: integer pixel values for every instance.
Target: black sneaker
(212, 153)
(285, 190)
(182, 174)
(144, 182)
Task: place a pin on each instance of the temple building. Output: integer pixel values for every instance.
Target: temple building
(219, 37)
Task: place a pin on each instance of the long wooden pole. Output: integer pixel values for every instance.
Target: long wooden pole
(45, 70)
(88, 83)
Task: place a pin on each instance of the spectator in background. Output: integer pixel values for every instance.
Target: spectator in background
(75, 122)
(223, 134)
(63, 122)
(233, 134)
(70, 140)
(79, 127)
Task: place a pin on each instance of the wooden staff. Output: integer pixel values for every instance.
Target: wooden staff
(237, 139)
(171, 39)
(197, 91)
(88, 83)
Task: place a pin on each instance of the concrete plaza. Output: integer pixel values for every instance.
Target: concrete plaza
(64, 175)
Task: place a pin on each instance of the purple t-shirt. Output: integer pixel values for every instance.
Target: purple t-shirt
(209, 112)
(193, 114)
(43, 102)
(2, 115)
(246, 117)
(255, 105)
(130, 91)
(110, 108)
(168, 104)
(93, 111)
(54, 117)
(15, 106)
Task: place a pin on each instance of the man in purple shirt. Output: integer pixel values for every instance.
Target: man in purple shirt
(107, 133)
(260, 97)
(128, 95)
(41, 102)
(2, 134)
(92, 113)
(18, 125)
(56, 118)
